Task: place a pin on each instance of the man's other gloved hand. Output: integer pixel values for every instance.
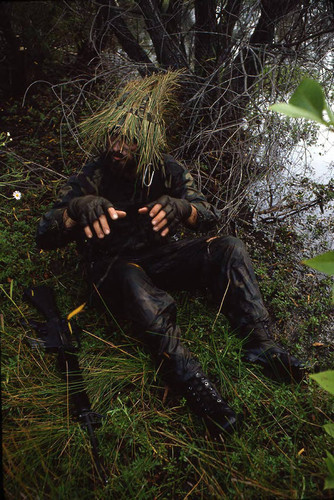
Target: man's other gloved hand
(167, 213)
(91, 212)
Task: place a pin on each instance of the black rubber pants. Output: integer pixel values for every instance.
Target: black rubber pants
(135, 287)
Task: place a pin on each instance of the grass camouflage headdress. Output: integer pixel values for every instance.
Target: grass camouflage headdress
(138, 113)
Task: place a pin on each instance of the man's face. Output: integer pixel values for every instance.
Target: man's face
(123, 155)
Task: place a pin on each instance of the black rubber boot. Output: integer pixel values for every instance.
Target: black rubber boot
(205, 401)
(277, 363)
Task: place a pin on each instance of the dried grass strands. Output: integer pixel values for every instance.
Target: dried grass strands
(138, 114)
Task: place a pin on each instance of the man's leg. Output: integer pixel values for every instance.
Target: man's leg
(223, 265)
(153, 313)
(231, 275)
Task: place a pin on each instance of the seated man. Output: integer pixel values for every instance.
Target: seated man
(122, 209)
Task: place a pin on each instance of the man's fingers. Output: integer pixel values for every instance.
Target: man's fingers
(97, 228)
(143, 210)
(155, 209)
(165, 232)
(161, 224)
(104, 224)
(158, 218)
(115, 214)
(88, 232)
(101, 226)
(121, 213)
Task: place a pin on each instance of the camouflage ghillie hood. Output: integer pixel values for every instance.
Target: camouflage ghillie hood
(138, 114)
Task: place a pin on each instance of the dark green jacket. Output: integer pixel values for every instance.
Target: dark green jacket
(133, 233)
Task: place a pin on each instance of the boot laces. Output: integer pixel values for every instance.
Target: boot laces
(203, 395)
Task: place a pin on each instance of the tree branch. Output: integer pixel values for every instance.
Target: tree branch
(249, 63)
(229, 17)
(167, 52)
(128, 42)
(206, 36)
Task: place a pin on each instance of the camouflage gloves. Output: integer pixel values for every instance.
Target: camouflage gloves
(91, 211)
(87, 209)
(168, 212)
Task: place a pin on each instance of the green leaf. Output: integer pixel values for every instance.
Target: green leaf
(329, 482)
(329, 428)
(308, 101)
(310, 97)
(296, 112)
(330, 113)
(330, 462)
(325, 380)
(323, 262)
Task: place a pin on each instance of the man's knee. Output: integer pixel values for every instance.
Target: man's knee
(129, 275)
(151, 306)
(226, 246)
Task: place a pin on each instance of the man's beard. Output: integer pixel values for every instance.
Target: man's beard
(121, 166)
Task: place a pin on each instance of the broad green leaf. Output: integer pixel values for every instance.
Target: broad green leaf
(329, 428)
(310, 97)
(325, 380)
(329, 482)
(330, 463)
(308, 101)
(296, 112)
(323, 262)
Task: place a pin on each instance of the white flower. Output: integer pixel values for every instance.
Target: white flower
(17, 195)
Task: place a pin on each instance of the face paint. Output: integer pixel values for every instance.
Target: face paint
(122, 154)
(121, 150)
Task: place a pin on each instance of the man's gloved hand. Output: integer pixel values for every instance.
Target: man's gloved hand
(87, 209)
(167, 213)
(91, 212)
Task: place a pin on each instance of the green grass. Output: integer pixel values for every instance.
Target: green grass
(153, 447)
